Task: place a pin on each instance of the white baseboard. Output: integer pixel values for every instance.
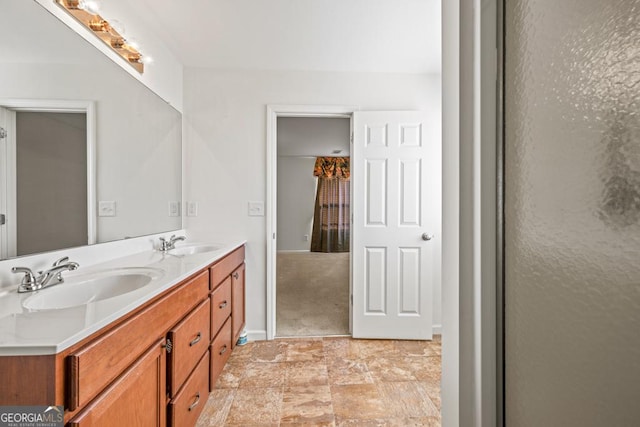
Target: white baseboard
(261, 335)
(256, 335)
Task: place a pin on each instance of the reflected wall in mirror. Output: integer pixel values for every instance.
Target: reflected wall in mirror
(115, 169)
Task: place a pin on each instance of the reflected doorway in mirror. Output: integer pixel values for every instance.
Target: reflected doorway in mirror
(47, 164)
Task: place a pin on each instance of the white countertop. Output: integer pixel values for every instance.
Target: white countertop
(39, 332)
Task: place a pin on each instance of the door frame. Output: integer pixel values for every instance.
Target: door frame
(273, 113)
(65, 106)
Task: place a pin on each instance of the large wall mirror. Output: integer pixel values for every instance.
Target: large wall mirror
(88, 154)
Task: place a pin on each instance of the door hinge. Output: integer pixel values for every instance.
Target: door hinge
(352, 137)
(3, 133)
(351, 298)
(3, 219)
(168, 345)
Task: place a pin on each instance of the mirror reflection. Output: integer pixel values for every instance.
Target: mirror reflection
(88, 153)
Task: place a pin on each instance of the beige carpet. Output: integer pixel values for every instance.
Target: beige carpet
(312, 294)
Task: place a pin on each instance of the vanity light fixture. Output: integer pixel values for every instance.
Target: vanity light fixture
(86, 12)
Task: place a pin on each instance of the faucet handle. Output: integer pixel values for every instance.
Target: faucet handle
(61, 261)
(164, 244)
(29, 279)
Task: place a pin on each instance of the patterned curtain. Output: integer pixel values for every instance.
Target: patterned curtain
(332, 211)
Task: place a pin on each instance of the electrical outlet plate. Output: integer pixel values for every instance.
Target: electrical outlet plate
(192, 208)
(256, 208)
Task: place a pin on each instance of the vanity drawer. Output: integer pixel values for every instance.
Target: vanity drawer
(224, 267)
(94, 366)
(190, 339)
(220, 305)
(186, 407)
(136, 398)
(220, 351)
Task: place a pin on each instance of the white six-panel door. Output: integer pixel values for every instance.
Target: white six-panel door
(396, 224)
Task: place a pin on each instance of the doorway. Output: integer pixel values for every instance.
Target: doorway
(396, 221)
(313, 219)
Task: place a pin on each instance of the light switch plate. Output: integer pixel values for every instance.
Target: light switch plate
(192, 208)
(107, 208)
(256, 208)
(174, 208)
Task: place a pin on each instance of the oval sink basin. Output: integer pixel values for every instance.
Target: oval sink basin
(83, 289)
(193, 249)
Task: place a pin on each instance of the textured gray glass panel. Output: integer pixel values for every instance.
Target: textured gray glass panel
(572, 212)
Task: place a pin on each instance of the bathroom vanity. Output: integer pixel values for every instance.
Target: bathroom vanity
(148, 357)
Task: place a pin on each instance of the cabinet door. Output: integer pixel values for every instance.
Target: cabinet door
(136, 398)
(237, 303)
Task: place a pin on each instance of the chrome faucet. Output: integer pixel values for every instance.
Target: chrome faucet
(53, 276)
(167, 245)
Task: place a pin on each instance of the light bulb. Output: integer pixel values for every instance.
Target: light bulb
(90, 6)
(146, 60)
(133, 43)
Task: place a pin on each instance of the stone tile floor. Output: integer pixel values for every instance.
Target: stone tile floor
(328, 382)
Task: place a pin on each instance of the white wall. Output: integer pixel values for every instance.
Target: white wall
(225, 134)
(296, 200)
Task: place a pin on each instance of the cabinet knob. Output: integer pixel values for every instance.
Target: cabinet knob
(236, 275)
(223, 350)
(223, 304)
(168, 345)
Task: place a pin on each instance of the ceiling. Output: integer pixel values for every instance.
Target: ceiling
(320, 35)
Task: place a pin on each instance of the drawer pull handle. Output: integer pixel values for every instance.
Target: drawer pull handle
(224, 350)
(196, 340)
(236, 275)
(223, 304)
(194, 404)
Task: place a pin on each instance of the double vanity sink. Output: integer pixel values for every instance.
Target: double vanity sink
(51, 319)
(154, 327)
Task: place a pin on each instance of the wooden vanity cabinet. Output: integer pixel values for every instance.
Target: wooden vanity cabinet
(152, 367)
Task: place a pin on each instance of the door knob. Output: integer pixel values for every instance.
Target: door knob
(426, 236)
